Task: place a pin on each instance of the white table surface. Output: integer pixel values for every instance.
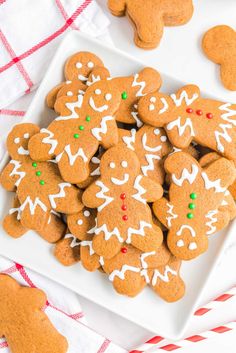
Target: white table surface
(180, 55)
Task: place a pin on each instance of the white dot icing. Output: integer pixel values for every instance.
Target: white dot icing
(153, 99)
(98, 91)
(192, 246)
(27, 135)
(86, 213)
(108, 96)
(163, 138)
(90, 64)
(69, 93)
(180, 243)
(151, 107)
(112, 165)
(124, 164)
(80, 222)
(78, 65)
(17, 140)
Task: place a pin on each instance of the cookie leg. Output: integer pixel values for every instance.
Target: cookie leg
(131, 285)
(106, 248)
(67, 250)
(73, 171)
(13, 226)
(117, 7)
(53, 230)
(35, 221)
(151, 241)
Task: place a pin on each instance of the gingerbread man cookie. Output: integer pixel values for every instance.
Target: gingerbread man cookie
(23, 323)
(219, 45)
(150, 16)
(151, 145)
(39, 185)
(132, 88)
(194, 209)
(74, 137)
(186, 117)
(121, 195)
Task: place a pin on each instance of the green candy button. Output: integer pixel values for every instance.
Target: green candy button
(124, 95)
(76, 136)
(191, 206)
(38, 173)
(190, 215)
(34, 164)
(193, 196)
(42, 182)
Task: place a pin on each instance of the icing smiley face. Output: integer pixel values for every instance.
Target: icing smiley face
(118, 165)
(80, 65)
(100, 100)
(17, 141)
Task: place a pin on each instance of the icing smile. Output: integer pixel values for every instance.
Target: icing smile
(121, 181)
(22, 151)
(82, 78)
(97, 109)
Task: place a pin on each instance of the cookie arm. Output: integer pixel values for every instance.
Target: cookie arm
(153, 190)
(66, 199)
(90, 196)
(222, 169)
(8, 179)
(43, 146)
(161, 208)
(110, 137)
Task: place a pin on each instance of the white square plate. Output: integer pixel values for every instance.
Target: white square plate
(147, 309)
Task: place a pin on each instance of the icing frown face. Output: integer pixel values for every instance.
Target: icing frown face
(80, 65)
(18, 139)
(119, 165)
(103, 97)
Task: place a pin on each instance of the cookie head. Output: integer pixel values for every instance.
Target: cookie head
(102, 98)
(18, 139)
(80, 65)
(119, 164)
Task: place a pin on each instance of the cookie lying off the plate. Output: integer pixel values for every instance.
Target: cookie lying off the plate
(22, 321)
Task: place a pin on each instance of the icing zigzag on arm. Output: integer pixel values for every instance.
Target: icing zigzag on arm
(181, 128)
(184, 97)
(15, 171)
(150, 160)
(140, 190)
(32, 205)
(101, 195)
(75, 242)
(108, 234)
(140, 231)
(211, 215)
(73, 157)
(228, 113)
(96, 131)
(224, 134)
(49, 140)
(212, 184)
(71, 106)
(141, 84)
(164, 277)
(172, 215)
(130, 140)
(60, 194)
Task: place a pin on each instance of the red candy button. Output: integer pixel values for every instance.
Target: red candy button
(124, 250)
(189, 110)
(124, 207)
(199, 112)
(122, 196)
(209, 115)
(125, 218)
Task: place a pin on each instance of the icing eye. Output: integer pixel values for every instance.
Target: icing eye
(153, 99)
(90, 64)
(78, 65)
(108, 96)
(17, 140)
(98, 91)
(80, 222)
(69, 93)
(163, 138)
(112, 165)
(86, 213)
(26, 136)
(124, 164)
(68, 82)
(156, 132)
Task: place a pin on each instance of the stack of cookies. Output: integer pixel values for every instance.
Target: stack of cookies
(92, 182)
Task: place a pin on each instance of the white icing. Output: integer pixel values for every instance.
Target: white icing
(23, 152)
(60, 194)
(140, 231)
(97, 131)
(82, 77)
(180, 243)
(229, 113)
(112, 165)
(121, 181)
(95, 160)
(181, 128)
(108, 234)
(26, 135)
(86, 213)
(140, 190)
(163, 277)
(94, 107)
(224, 135)
(101, 260)
(124, 164)
(69, 93)
(151, 107)
(71, 106)
(150, 160)
(186, 175)
(144, 256)
(148, 148)
(171, 216)
(16, 209)
(153, 99)
(135, 116)
(215, 184)
(16, 171)
(17, 140)
(78, 65)
(74, 242)
(130, 140)
(90, 64)
(68, 82)
(33, 204)
(73, 157)
(108, 96)
(101, 195)
(140, 84)
(144, 273)
(185, 226)
(93, 79)
(98, 91)
(89, 244)
(49, 140)
(184, 97)
(121, 274)
(192, 246)
(80, 222)
(163, 138)
(211, 215)
(165, 106)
